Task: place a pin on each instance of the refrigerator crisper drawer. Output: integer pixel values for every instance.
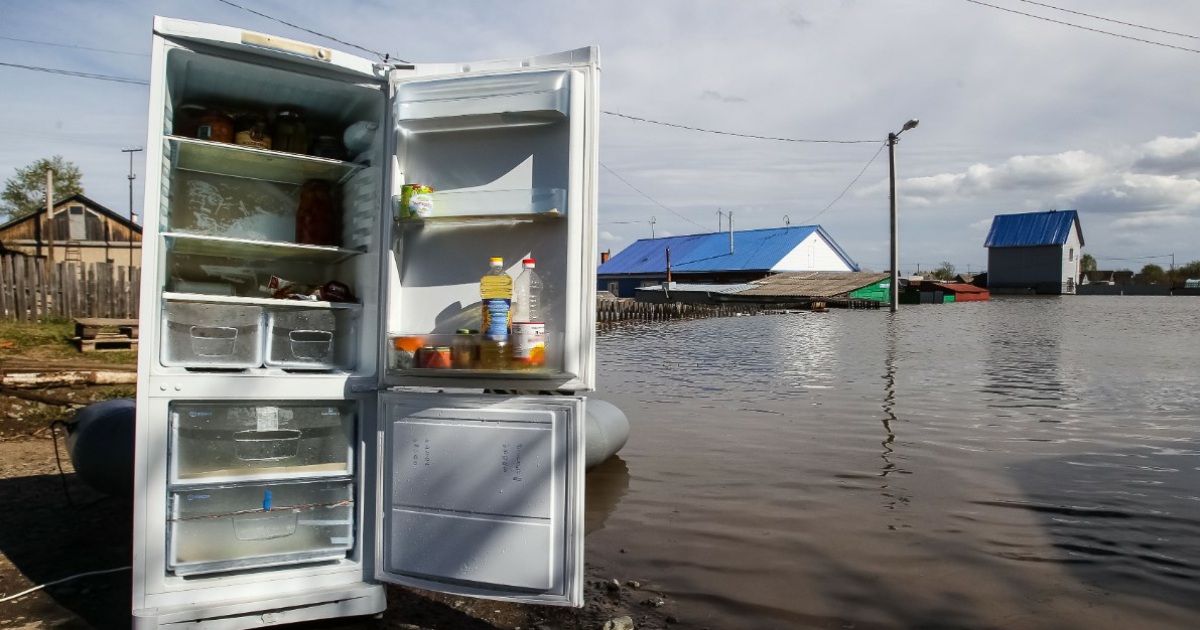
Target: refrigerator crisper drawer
(224, 336)
(310, 339)
(227, 528)
(223, 441)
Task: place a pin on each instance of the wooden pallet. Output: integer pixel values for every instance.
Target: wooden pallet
(94, 327)
(101, 342)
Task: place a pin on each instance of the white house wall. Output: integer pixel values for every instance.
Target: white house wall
(812, 254)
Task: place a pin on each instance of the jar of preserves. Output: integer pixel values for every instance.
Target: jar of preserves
(215, 125)
(328, 147)
(252, 131)
(314, 216)
(185, 121)
(290, 134)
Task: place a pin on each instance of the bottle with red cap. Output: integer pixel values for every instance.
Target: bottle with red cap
(528, 325)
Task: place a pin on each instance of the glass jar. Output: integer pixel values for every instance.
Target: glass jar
(186, 120)
(252, 131)
(314, 216)
(290, 134)
(215, 125)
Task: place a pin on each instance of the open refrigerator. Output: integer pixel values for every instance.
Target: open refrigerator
(295, 454)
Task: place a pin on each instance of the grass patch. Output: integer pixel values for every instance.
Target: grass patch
(50, 339)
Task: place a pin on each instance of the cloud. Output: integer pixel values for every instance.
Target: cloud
(713, 95)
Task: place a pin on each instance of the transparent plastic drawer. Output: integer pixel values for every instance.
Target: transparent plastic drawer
(229, 528)
(310, 339)
(256, 440)
(211, 336)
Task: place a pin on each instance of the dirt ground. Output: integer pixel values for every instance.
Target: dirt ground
(53, 526)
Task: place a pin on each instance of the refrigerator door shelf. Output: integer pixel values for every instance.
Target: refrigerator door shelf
(219, 158)
(467, 205)
(483, 496)
(535, 98)
(227, 528)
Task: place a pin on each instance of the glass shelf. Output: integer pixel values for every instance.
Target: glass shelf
(171, 296)
(490, 204)
(200, 244)
(234, 160)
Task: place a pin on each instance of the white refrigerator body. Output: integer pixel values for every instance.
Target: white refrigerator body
(228, 390)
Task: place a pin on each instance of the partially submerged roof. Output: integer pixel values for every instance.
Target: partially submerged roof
(813, 283)
(1033, 229)
(753, 250)
(958, 287)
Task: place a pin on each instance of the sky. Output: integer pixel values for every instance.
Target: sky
(1023, 106)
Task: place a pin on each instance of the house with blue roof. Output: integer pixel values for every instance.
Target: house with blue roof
(721, 258)
(1034, 252)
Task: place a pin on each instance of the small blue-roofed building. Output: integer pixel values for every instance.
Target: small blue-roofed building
(1034, 252)
(722, 258)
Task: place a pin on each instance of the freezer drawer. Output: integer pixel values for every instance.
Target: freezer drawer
(310, 339)
(213, 442)
(227, 528)
(201, 336)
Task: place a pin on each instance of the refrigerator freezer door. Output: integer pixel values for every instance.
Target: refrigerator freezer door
(482, 496)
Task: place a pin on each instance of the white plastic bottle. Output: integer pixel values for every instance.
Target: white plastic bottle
(528, 325)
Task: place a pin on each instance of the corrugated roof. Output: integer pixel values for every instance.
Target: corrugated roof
(753, 250)
(1033, 229)
(959, 287)
(813, 283)
(698, 288)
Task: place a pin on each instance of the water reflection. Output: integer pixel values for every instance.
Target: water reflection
(605, 484)
(889, 394)
(1024, 354)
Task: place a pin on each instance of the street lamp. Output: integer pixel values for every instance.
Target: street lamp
(893, 138)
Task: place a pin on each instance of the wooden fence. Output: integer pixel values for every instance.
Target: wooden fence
(616, 311)
(32, 290)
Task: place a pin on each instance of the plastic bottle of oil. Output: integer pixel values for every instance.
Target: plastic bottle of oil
(495, 293)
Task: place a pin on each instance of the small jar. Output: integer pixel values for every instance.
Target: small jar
(252, 132)
(290, 134)
(328, 147)
(215, 125)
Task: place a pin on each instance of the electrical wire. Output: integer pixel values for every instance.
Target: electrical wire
(33, 41)
(1094, 30)
(72, 73)
(66, 579)
(809, 220)
(639, 191)
(1104, 19)
(383, 56)
(730, 133)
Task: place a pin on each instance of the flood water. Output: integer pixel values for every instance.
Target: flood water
(1021, 463)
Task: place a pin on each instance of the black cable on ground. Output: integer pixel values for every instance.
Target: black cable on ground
(62, 474)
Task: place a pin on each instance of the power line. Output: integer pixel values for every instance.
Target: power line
(651, 198)
(809, 220)
(116, 52)
(730, 133)
(1104, 19)
(1094, 30)
(382, 56)
(72, 73)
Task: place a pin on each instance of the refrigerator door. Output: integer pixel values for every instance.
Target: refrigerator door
(482, 495)
(509, 149)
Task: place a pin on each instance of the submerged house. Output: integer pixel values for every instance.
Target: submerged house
(1034, 252)
(721, 258)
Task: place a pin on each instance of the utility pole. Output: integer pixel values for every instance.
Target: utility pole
(893, 138)
(132, 216)
(651, 228)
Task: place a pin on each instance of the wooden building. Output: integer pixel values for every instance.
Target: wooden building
(79, 230)
(1034, 252)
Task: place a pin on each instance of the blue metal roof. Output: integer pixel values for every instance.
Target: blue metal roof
(1033, 229)
(753, 250)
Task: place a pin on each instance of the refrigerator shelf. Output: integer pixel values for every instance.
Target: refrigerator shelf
(234, 160)
(469, 205)
(170, 296)
(185, 243)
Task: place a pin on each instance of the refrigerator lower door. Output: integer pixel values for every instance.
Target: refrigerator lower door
(482, 495)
